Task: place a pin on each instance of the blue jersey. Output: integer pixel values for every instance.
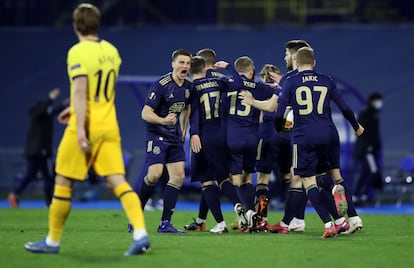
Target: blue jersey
(206, 100)
(241, 117)
(165, 97)
(310, 94)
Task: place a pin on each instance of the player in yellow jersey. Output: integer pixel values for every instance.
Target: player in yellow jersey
(92, 135)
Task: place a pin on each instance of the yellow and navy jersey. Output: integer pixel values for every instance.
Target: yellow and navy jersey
(99, 61)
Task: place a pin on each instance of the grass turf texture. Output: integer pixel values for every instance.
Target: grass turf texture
(98, 238)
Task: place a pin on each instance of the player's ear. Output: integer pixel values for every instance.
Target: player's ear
(314, 63)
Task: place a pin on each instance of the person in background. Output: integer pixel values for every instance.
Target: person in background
(368, 151)
(38, 149)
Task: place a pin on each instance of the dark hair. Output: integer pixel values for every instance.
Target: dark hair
(294, 45)
(208, 54)
(305, 56)
(374, 96)
(197, 65)
(243, 64)
(86, 18)
(179, 52)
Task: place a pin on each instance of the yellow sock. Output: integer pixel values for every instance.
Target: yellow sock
(131, 204)
(59, 211)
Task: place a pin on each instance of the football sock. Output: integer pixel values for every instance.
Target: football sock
(313, 195)
(326, 182)
(203, 208)
(348, 194)
(131, 204)
(211, 195)
(59, 211)
(229, 191)
(291, 204)
(301, 201)
(327, 198)
(249, 193)
(240, 194)
(262, 190)
(170, 200)
(146, 191)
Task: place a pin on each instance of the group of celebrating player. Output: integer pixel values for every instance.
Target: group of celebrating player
(237, 127)
(228, 130)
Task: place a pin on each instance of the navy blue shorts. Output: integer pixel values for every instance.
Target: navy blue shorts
(308, 158)
(159, 151)
(243, 154)
(211, 163)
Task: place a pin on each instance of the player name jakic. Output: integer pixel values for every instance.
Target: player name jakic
(309, 78)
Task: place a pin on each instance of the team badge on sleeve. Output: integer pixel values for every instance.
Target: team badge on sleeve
(152, 96)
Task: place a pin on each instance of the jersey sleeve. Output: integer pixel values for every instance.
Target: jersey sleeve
(154, 95)
(76, 67)
(283, 101)
(195, 114)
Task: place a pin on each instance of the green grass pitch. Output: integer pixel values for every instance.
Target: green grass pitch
(98, 238)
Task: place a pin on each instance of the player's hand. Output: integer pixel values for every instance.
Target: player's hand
(195, 143)
(221, 64)
(275, 77)
(64, 116)
(83, 142)
(360, 130)
(170, 119)
(246, 97)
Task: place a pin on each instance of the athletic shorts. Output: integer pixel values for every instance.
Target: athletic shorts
(243, 152)
(105, 157)
(308, 158)
(211, 163)
(161, 152)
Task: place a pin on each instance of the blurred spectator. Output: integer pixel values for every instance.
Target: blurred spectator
(38, 148)
(368, 152)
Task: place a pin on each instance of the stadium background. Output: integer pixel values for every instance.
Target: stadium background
(366, 45)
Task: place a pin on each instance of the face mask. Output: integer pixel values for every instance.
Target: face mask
(378, 104)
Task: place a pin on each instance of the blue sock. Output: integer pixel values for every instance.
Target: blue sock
(203, 208)
(241, 195)
(313, 195)
(229, 190)
(348, 194)
(211, 195)
(291, 204)
(249, 193)
(327, 198)
(146, 190)
(301, 203)
(170, 200)
(326, 182)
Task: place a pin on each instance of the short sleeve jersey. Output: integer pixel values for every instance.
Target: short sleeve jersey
(99, 61)
(310, 94)
(165, 97)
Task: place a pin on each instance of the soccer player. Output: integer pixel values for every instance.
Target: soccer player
(206, 118)
(266, 152)
(310, 94)
(165, 112)
(296, 198)
(92, 135)
(242, 127)
(207, 165)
